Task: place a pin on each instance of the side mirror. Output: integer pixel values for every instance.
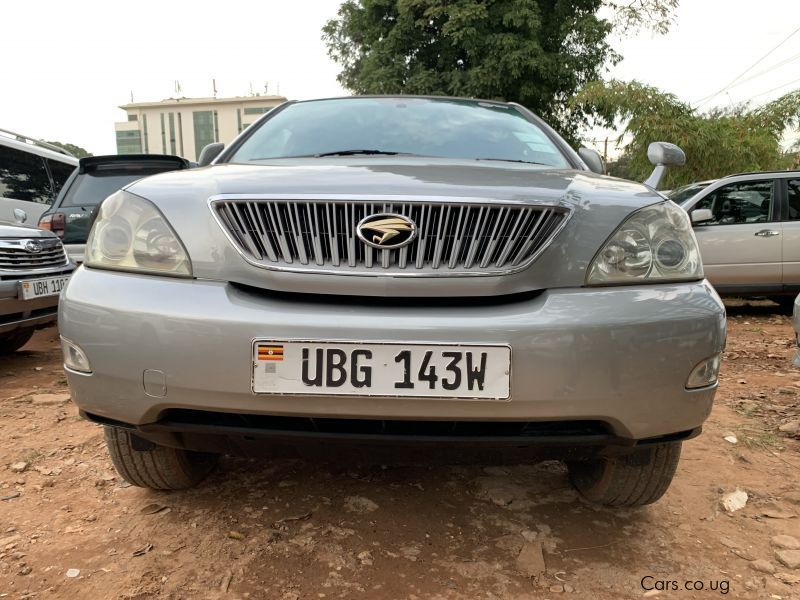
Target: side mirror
(209, 153)
(593, 160)
(702, 215)
(663, 155)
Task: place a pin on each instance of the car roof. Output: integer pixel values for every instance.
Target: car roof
(408, 96)
(791, 173)
(34, 146)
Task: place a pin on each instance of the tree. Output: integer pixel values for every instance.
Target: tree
(717, 143)
(76, 151)
(535, 52)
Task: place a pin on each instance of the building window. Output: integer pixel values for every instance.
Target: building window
(203, 129)
(172, 148)
(256, 110)
(163, 136)
(180, 133)
(144, 127)
(133, 117)
(239, 119)
(129, 142)
(216, 127)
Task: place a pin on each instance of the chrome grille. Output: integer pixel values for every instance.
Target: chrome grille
(17, 254)
(452, 239)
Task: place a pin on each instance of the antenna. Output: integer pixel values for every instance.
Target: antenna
(177, 87)
(214, 86)
(266, 88)
(131, 96)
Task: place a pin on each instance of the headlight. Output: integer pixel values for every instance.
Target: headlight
(656, 243)
(130, 234)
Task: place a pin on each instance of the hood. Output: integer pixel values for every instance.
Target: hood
(597, 205)
(18, 230)
(494, 180)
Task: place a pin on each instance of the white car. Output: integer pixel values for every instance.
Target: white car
(748, 228)
(31, 175)
(34, 268)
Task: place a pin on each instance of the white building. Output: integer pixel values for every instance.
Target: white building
(183, 126)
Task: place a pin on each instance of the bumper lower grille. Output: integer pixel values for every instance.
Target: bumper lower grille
(452, 238)
(27, 254)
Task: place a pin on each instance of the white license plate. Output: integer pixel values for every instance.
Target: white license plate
(389, 369)
(39, 288)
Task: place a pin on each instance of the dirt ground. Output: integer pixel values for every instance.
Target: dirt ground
(70, 528)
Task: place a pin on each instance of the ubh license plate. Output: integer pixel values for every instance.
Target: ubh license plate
(39, 288)
(384, 369)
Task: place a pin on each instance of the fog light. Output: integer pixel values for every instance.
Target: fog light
(74, 357)
(705, 373)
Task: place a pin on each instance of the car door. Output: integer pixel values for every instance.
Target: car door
(791, 234)
(25, 186)
(741, 245)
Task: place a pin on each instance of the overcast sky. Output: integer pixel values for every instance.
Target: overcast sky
(67, 69)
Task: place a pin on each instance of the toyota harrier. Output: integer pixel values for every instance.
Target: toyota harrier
(442, 274)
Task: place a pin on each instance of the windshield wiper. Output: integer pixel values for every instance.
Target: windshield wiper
(357, 151)
(527, 162)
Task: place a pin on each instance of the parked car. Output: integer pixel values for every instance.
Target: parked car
(748, 228)
(32, 173)
(96, 178)
(444, 275)
(34, 268)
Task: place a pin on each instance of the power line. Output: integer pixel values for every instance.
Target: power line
(746, 71)
(776, 88)
(760, 73)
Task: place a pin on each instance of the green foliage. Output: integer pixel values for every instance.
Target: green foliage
(717, 143)
(535, 52)
(76, 151)
(634, 14)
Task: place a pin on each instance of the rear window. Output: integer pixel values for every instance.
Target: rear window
(90, 189)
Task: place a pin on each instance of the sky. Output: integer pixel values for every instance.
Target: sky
(66, 71)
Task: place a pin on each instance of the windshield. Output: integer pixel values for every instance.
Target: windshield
(416, 126)
(682, 194)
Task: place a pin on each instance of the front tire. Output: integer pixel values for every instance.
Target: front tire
(159, 467)
(634, 479)
(13, 341)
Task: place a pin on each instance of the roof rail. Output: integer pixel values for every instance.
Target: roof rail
(29, 140)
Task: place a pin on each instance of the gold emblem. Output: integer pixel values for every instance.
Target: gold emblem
(389, 231)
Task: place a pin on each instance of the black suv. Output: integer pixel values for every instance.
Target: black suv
(97, 177)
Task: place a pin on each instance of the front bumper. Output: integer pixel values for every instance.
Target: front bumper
(619, 356)
(16, 312)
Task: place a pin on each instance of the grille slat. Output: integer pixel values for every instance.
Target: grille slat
(452, 237)
(530, 241)
(14, 256)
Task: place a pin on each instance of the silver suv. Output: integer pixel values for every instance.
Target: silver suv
(446, 275)
(34, 268)
(748, 228)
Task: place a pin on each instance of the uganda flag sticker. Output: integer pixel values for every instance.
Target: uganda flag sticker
(270, 352)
